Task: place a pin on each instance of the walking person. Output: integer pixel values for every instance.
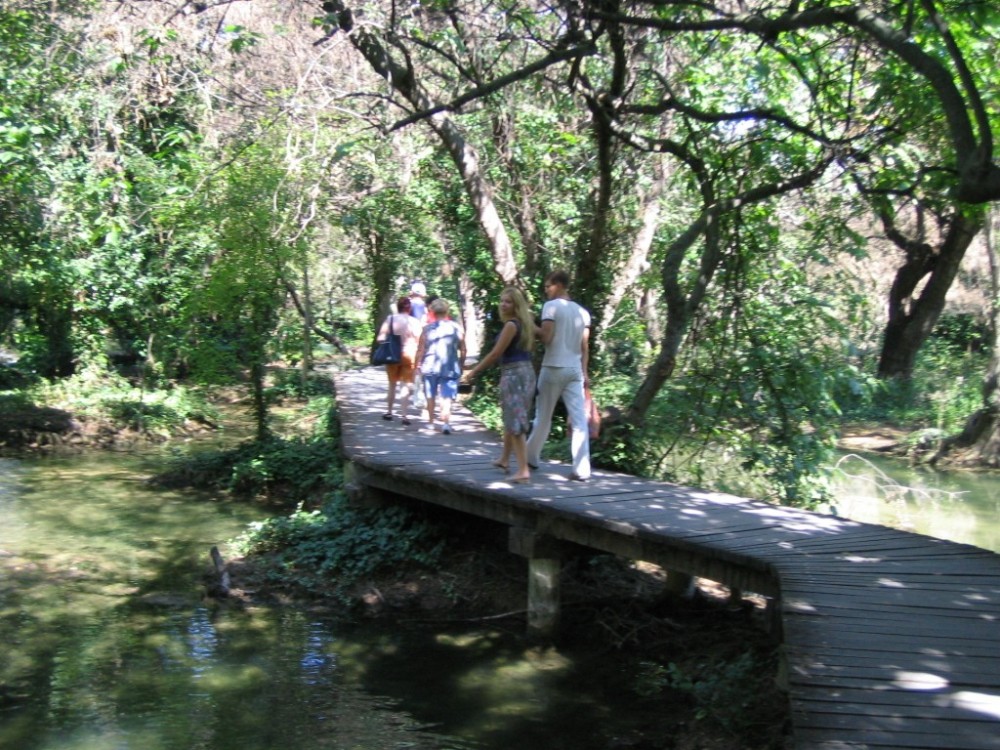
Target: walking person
(418, 302)
(512, 349)
(419, 310)
(408, 329)
(565, 332)
(441, 357)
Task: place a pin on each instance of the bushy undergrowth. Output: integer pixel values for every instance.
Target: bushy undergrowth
(609, 391)
(340, 543)
(723, 691)
(290, 470)
(946, 388)
(765, 426)
(14, 401)
(109, 397)
(323, 539)
(485, 402)
(292, 384)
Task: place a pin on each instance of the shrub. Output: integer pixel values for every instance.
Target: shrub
(723, 691)
(293, 470)
(339, 545)
(290, 384)
(103, 395)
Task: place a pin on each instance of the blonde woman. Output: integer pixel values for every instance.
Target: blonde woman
(512, 349)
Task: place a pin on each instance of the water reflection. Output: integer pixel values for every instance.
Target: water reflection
(107, 642)
(958, 506)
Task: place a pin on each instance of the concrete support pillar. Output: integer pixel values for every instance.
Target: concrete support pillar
(354, 487)
(360, 495)
(545, 556)
(543, 597)
(679, 583)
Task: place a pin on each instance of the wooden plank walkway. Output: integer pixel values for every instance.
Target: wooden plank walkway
(891, 639)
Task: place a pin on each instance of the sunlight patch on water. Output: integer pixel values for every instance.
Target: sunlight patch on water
(106, 642)
(959, 506)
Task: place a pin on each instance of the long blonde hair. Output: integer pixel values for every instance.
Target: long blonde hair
(522, 313)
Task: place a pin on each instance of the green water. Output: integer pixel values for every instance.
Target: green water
(106, 642)
(958, 506)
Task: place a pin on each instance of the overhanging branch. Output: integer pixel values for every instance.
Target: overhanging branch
(479, 92)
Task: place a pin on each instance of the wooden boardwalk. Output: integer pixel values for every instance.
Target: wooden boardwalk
(891, 639)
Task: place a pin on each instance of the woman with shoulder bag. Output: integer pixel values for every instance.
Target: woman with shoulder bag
(408, 329)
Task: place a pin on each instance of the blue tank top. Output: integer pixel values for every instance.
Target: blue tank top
(514, 352)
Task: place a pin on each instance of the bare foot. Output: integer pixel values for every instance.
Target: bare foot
(521, 479)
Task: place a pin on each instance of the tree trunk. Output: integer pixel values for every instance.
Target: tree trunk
(912, 320)
(647, 304)
(525, 216)
(681, 307)
(478, 189)
(307, 325)
(310, 322)
(638, 261)
(259, 401)
(978, 443)
(382, 275)
(57, 323)
(469, 314)
(593, 282)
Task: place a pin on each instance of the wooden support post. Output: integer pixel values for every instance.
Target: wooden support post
(220, 587)
(545, 556)
(680, 583)
(773, 619)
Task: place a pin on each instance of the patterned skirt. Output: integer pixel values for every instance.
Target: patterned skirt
(517, 395)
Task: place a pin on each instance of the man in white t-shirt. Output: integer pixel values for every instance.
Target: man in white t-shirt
(565, 331)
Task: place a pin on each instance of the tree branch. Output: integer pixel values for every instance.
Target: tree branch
(499, 83)
(978, 176)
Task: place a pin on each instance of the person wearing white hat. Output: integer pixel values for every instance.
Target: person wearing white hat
(418, 306)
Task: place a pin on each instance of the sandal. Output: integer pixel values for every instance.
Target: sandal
(387, 417)
(405, 421)
(500, 465)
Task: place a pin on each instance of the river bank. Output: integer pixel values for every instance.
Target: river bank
(704, 666)
(28, 428)
(882, 439)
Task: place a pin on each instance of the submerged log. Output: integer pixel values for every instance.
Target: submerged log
(219, 586)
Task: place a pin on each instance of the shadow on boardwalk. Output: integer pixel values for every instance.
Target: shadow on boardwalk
(890, 639)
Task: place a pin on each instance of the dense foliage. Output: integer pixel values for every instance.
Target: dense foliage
(765, 211)
(309, 548)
